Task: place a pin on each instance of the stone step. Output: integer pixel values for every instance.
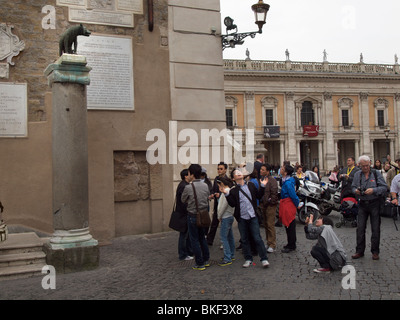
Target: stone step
(21, 243)
(17, 272)
(17, 259)
(21, 256)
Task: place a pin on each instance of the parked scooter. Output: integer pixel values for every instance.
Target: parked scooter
(309, 193)
(330, 198)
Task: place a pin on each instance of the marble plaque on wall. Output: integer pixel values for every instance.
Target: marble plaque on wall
(13, 110)
(131, 5)
(111, 79)
(71, 2)
(110, 18)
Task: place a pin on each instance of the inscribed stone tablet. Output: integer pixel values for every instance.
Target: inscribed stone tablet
(13, 110)
(111, 78)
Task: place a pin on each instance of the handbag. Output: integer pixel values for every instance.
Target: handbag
(203, 219)
(178, 220)
(3, 231)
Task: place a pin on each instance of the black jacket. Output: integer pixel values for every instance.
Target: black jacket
(180, 206)
(234, 200)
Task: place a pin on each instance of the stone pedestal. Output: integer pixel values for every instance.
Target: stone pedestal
(71, 247)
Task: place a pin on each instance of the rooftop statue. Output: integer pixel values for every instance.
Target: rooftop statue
(70, 37)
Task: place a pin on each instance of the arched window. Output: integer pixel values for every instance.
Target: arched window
(307, 114)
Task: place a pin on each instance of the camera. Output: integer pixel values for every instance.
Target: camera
(362, 191)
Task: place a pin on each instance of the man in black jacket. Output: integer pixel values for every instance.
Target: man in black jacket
(184, 245)
(243, 197)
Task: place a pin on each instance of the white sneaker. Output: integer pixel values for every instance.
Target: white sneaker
(270, 250)
(188, 258)
(247, 263)
(265, 263)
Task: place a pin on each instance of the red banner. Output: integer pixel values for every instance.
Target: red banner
(310, 131)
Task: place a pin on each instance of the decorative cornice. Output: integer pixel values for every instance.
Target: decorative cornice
(274, 69)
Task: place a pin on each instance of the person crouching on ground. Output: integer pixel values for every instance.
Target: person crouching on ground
(328, 251)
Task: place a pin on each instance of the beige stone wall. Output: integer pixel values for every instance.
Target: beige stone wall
(178, 76)
(25, 164)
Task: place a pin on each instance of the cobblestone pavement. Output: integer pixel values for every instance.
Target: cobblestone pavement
(147, 267)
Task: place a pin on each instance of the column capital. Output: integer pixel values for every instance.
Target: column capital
(249, 95)
(363, 96)
(68, 68)
(328, 96)
(289, 95)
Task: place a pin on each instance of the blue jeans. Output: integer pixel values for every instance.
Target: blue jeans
(184, 245)
(247, 227)
(227, 239)
(198, 240)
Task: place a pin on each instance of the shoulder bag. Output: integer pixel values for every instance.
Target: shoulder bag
(203, 219)
(178, 220)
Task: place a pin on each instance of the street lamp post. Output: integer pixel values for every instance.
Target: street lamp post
(230, 40)
(387, 132)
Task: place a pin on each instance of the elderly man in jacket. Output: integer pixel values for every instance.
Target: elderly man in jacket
(369, 187)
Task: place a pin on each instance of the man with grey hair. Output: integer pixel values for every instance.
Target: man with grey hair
(369, 187)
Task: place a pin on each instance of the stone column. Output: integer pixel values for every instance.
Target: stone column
(365, 130)
(331, 151)
(356, 149)
(290, 121)
(71, 248)
(250, 108)
(281, 152)
(321, 161)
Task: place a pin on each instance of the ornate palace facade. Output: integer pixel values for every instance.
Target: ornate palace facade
(315, 113)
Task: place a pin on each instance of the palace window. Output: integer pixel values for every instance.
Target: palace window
(269, 117)
(381, 113)
(307, 114)
(345, 118)
(231, 103)
(345, 113)
(229, 117)
(270, 111)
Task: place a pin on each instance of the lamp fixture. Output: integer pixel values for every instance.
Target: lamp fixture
(230, 40)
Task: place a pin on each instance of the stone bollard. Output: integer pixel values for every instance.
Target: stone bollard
(71, 248)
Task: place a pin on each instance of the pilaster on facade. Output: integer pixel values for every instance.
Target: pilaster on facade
(364, 124)
(250, 110)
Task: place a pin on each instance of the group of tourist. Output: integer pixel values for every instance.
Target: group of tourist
(247, 197)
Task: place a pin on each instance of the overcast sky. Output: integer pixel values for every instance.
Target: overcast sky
(345, 29)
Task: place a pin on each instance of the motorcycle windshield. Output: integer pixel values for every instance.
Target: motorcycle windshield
(312, 176)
